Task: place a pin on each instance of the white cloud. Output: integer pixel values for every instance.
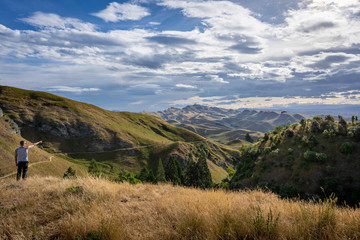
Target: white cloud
(137, 103)
(217, 79)
(50, 20)
(315, 41)
(185, 86)
(71, 89)
(349, 97)
(115, 12)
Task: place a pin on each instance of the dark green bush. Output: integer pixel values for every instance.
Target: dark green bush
(321, 157)
(288, 191)
(346, 148)
(310, 156)
(70, 173)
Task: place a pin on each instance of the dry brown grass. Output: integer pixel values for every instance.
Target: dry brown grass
(44, 209)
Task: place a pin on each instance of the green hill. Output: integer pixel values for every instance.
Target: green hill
(310, 160)
(120, 140)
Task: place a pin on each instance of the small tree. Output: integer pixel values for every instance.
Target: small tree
(205, 175)
(171, 171)
(192, 174)
(70, 173)
(160, 173)
(317, 118)
(303, 123)
(94, 168)
(248, 138)
(143, 175)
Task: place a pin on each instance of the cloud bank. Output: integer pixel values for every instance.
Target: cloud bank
(230, 52)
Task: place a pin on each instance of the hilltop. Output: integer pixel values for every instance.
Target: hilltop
(93, 208)
(312, 160)
(120, 140)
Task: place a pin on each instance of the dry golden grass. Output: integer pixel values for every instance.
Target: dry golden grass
(44, 208)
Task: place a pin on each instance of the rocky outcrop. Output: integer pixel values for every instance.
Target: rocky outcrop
(1, 113)
(66, 130)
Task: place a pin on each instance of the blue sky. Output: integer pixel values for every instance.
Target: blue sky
(154, 54)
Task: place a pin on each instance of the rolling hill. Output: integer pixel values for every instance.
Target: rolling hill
(120, 140)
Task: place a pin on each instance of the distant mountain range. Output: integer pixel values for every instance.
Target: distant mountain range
(211, 121)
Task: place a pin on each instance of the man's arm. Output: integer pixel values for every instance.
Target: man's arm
(16, 156)
(31, 146)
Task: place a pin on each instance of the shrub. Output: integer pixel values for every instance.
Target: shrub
(303, 122)
(266, 137)
(290, 150)
(289, 161)
(274, 153)
(75, 189)
(317, 118)
(289, 133)
(305, 140)
(128, 177)
(288, 191)
(278, 129)
(267, 149)
(310, 156)
(325, 133)
(255, 177)
(94, 168)
(346, 148)
(315, 126)
(266, 228)
(329, 118)
(321, 157)
(70, 173)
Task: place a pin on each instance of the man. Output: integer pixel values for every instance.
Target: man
(21, 159)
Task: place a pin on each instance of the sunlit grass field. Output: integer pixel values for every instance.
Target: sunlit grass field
(90, 208)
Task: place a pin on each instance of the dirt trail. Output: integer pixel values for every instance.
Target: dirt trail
(31, 164)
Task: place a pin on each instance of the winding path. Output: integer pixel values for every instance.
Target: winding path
(31, 164)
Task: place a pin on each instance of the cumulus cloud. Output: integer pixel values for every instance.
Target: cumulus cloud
(331, 98)
(115, 12)
(51, 20)
(180, 85)
(217, 79)
(318, 41)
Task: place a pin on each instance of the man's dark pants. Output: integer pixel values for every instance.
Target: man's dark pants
(22, 167)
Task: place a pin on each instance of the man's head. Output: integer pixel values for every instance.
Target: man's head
(22, 143)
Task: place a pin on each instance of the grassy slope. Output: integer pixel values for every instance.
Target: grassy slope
(339, 173)
(147, 137)
(10, 141)
(99, 209)
(219, 134)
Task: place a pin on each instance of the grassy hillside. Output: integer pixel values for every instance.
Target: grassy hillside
(88, 208)
(315, 159)
(39, 159)
(120, 140)
(217, 134)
